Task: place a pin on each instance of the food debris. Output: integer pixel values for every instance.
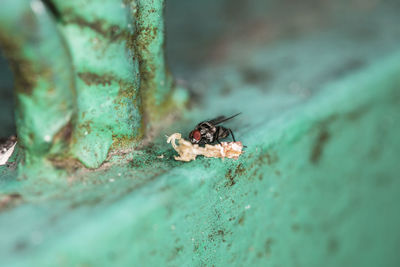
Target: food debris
(188, 151)
(6, 149)
(161, 156)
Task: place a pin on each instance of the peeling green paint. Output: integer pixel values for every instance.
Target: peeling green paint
(156, 83)
(45, 84)
(107, 76)
(95, 82)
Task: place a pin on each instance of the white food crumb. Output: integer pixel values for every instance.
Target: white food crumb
(188, 151)
(4, 157)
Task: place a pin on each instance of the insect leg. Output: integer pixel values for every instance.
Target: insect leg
(217, 139)
(233, 137)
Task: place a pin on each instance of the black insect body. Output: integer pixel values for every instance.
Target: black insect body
(207, 132)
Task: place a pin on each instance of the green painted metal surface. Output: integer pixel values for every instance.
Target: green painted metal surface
(45, 87)
(150, 46)
(88, 93)
(317, 185)
(100, 36)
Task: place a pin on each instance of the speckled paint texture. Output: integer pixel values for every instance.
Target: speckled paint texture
(100, 36)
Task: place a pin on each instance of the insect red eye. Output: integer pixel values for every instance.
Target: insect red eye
(196, 135)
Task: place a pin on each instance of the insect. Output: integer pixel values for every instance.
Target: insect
(207, 132)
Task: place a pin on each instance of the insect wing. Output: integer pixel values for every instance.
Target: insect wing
(217, 120)
(221, 119)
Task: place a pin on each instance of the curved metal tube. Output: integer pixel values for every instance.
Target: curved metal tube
(44, 78)
(90, 102)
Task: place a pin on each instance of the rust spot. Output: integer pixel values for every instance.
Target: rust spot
(25, 76)
(241, 220)
(68, 164)
(146, 34)
(90, 78)
(268, 158)
(112, 32)
(64, 133)
(210, 237)
(230, 175)
(239, 169)
(64, 137)
(126, 90)
(271, 158)
(87, 202)
(175, 252)
(318, 148)
(86, 126)
(123, 141)
(220, 234)
(10, 200)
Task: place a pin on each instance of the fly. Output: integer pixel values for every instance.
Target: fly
(208, 132)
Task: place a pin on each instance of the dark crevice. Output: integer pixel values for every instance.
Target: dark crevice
(7, 105)
(53, 9)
